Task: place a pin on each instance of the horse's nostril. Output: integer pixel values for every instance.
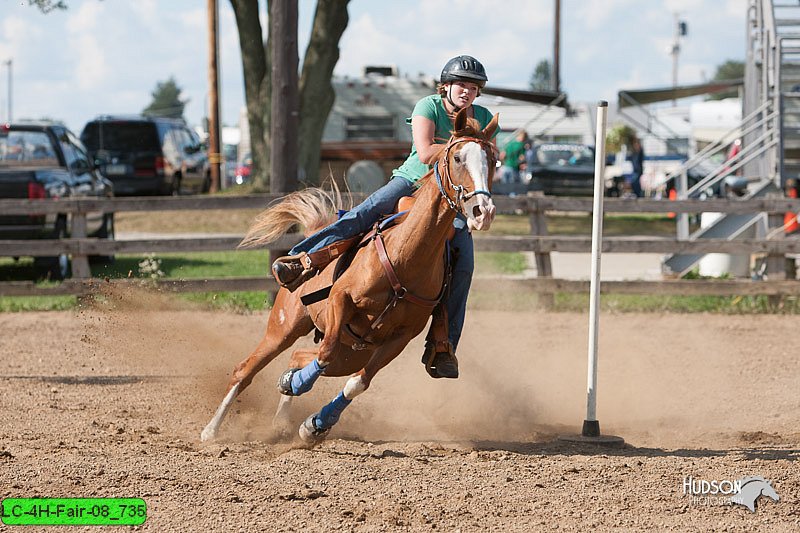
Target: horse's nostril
(476, 211)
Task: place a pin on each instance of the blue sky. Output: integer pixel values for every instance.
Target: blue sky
(107, 56)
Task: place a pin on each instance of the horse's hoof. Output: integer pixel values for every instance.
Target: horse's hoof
(309, 432)
(285, 382)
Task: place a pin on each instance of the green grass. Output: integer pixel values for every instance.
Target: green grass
(500, 262)
(199, 265)
(37, 303)
(729, 305)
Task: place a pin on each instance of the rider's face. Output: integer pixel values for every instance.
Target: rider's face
(463, 93)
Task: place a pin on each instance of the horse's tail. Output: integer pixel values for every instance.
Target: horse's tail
(311, 208)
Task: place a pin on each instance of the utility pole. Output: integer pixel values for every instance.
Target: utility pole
(213, 97)
(8, 64)
(557, 48)
(675, 49)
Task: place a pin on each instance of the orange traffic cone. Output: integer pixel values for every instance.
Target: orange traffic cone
(673, 195)
(790, 224)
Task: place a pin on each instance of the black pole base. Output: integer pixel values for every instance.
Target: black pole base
(591, 428)
(591, 435)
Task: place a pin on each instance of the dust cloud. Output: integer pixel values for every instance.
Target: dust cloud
(523, 375)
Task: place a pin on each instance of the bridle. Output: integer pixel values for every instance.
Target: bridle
(461, 193)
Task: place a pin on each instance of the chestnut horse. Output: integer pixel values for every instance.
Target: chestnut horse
(370, 314)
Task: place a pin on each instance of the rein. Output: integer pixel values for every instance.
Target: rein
(461, 195)
(399, 292)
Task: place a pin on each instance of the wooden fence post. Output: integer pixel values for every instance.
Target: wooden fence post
(80, 261)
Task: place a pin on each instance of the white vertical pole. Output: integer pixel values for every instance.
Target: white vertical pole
(591, 427)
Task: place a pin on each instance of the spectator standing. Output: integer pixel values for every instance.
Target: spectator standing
(636, 158)
(513, 156)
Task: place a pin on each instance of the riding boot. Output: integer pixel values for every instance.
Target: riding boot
(439, 357)
(291, 271)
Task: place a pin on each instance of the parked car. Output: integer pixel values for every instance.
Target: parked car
(44, 160)
(148, 155)
(562, 169)
(556, 169)
(243, 170)
(230, 154)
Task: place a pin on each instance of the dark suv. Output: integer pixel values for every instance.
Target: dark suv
(147, 155)
(557, 169)
(562, 169)
(40, 160)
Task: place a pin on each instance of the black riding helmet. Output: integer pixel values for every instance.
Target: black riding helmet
(464, 68)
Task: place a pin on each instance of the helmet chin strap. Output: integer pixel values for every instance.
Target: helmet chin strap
(456, 108)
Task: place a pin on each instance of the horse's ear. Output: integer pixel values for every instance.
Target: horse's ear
(461, 120)
(490, 128)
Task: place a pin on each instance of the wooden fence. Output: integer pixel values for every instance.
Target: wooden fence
(79, 246)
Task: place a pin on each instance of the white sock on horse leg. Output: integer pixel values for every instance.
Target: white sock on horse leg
(210, 431)
(354, 386)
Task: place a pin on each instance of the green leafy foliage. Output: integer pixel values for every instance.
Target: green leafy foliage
(542, 77)
(166, 100)
(618, 136)
(46, 6)
(729, 70)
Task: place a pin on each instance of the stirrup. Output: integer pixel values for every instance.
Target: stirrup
(442, 363)
(291, 271)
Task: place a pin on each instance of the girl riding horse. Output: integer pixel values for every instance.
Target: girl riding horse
(431, 123)
(383, 300)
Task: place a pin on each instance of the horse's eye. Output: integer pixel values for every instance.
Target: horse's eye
(457, 158)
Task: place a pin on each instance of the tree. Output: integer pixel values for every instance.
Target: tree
(729, 70)
(166, 101)
(46, 6)
(316, 91)
(542, 77)
(618, 136)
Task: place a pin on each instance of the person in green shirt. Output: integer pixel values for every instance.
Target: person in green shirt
(512, 157)
(431, 123)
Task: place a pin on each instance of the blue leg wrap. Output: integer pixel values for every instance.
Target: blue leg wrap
(329, 415)
(304, 379)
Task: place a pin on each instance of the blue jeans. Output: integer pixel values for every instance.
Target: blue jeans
(383, 202)
(636, 186)
(463, 248)
(509, 175)
(359, 219)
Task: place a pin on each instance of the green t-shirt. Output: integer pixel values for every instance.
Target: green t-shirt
(514, 150)
(432, 107)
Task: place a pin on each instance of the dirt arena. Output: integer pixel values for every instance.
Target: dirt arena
(110, 402)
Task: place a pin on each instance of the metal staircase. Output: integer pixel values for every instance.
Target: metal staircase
(787, 26)
(770, 129)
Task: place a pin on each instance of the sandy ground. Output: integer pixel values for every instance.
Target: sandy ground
(110, 402)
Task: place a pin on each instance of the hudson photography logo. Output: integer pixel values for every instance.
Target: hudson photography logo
(745, 491)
